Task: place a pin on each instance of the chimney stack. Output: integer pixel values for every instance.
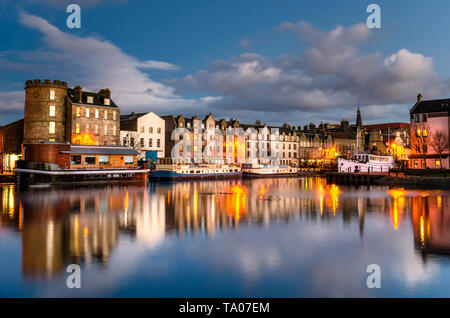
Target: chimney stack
(105, 92)
(419, 97)
(77, 90)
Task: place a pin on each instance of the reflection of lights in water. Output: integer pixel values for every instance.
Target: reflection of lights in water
(213, 208)
(262, 191)
(20, 215)
(236, 204)
(422, 231)
(439, 201)
(195, 202)
(398, 202)
(321, 193)
(334, 193)
(168, 197)
(187, 195)
(125, 221)
(85, 232)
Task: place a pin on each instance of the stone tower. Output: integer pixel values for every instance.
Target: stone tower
(45, 111)
(358, 118)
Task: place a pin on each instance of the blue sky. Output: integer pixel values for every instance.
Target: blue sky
(276, 61)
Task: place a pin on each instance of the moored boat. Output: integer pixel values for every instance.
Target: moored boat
(174, 172)
(363, 162)
(260, 171)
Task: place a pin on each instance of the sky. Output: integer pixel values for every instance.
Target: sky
(279, 62)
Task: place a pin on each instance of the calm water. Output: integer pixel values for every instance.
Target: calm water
(260, 238)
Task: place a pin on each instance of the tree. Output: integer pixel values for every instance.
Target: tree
(133, 140)
(439, 142)
(420, 141)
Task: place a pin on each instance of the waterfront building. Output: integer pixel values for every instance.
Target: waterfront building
(57, 113)
(143, 132)
(11, 136)
(430, 127)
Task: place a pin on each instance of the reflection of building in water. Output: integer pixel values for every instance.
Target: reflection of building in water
(64, 227)
(431, 223)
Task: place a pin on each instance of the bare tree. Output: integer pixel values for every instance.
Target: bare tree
(420, 141)
(439, 142)
(133, 140)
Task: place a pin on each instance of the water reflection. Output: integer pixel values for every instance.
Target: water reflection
(59, 227)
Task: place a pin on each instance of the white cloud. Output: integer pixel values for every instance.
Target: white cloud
(95, 63)
(327, 77)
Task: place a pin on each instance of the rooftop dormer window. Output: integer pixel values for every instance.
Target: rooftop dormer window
(90, 99)
(107, 101)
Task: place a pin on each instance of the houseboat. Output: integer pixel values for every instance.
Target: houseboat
(256, 171)
(47, 164)
(184, 172)
(365, 163)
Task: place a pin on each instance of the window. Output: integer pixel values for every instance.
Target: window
(106, 114)
(78, 112)
(437, 163)
(132, 141)
(89, 160)
(77, 128)
(425, 132)
(195, 148)
(96, 129)
(150, 142)
(106, 130)
(141, 142)
(124, 143)
(142, 129)
(158, 143)
(114, 115)
(107, 101)
(52, 111)
(159, 130)
(129, 159)
(103, 160)
(96, 113)
(75, 160)
(417, 118)
(52, 95)
(114, 130)
(150, 130)
(424, 117)
(51, 139)
(90, 99)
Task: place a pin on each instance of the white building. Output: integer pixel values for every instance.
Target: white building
(143, 132)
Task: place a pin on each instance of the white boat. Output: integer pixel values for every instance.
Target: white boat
(174, 171)
(364, 162)
(268, 171)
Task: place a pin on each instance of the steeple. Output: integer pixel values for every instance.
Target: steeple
(358, 119)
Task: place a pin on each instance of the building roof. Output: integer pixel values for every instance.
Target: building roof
(98, 99)
(132, 116)
(431, 106)
(102, 150)
(386, 126)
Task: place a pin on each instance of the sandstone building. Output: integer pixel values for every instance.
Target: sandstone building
(57, 113)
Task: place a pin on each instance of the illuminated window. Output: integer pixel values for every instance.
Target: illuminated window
(142, 129)
(195, 137)
(106, 130)
(51, 139)
(114, 130)
(418, 132)
(87, 112)
(96, 113)
(77, 128)
(107, 102)
(159, 130)
(437, 162)
(78, 112)
(90, 99)
(425, 132)
(195, 148)
(52, 95)
(52, 111)
(52, 127)
(114, 115)
(150, 130)
(106, 114)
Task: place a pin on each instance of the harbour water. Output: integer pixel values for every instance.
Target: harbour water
(281, 237)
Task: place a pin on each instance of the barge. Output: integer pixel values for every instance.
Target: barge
(185, 172)
(262, 171)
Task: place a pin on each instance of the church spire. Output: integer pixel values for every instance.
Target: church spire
(358, 119)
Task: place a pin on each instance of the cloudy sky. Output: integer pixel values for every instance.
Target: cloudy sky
(291, 61)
